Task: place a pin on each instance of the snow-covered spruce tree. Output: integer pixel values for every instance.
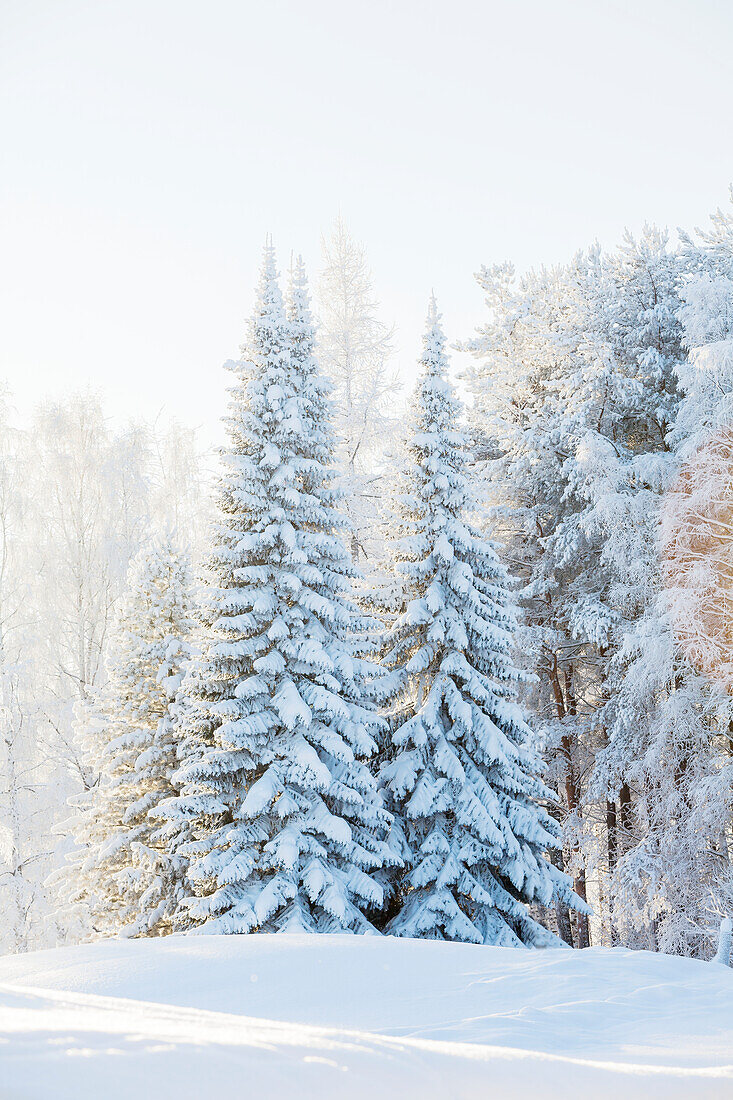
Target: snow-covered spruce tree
(285, 821)
(462, 779)
(122, 879)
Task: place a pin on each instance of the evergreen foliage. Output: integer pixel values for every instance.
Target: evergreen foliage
(285, 824)
(462, 781)
(123, 877)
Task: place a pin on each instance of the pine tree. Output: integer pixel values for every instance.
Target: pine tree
(673, 713)
(621, 397)
(284, 818)
(462, 779)
(525, 436)
(122, 877)
(575, 388)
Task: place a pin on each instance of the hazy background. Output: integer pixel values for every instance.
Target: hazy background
(147, 147)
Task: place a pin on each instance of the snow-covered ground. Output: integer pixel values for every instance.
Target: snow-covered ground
(350, 1017)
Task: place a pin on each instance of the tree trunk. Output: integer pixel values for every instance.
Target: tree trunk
(572, 794)
(17, 921)
(612, 833)
(624, 818)
(565, 707)
(572, 797)
(562, 913)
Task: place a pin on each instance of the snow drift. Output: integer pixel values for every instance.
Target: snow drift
(351, 1016)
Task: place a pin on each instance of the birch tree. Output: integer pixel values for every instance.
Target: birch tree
(355, 350)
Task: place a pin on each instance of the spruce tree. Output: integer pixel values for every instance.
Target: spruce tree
(462, 778)
(284, 817)
(122, 878)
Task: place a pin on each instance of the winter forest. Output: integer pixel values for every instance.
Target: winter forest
(366, 550)
(448, 660)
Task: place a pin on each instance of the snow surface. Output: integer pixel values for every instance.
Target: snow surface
(356, 1016)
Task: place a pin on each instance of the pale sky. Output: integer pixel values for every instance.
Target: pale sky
(148, 146)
